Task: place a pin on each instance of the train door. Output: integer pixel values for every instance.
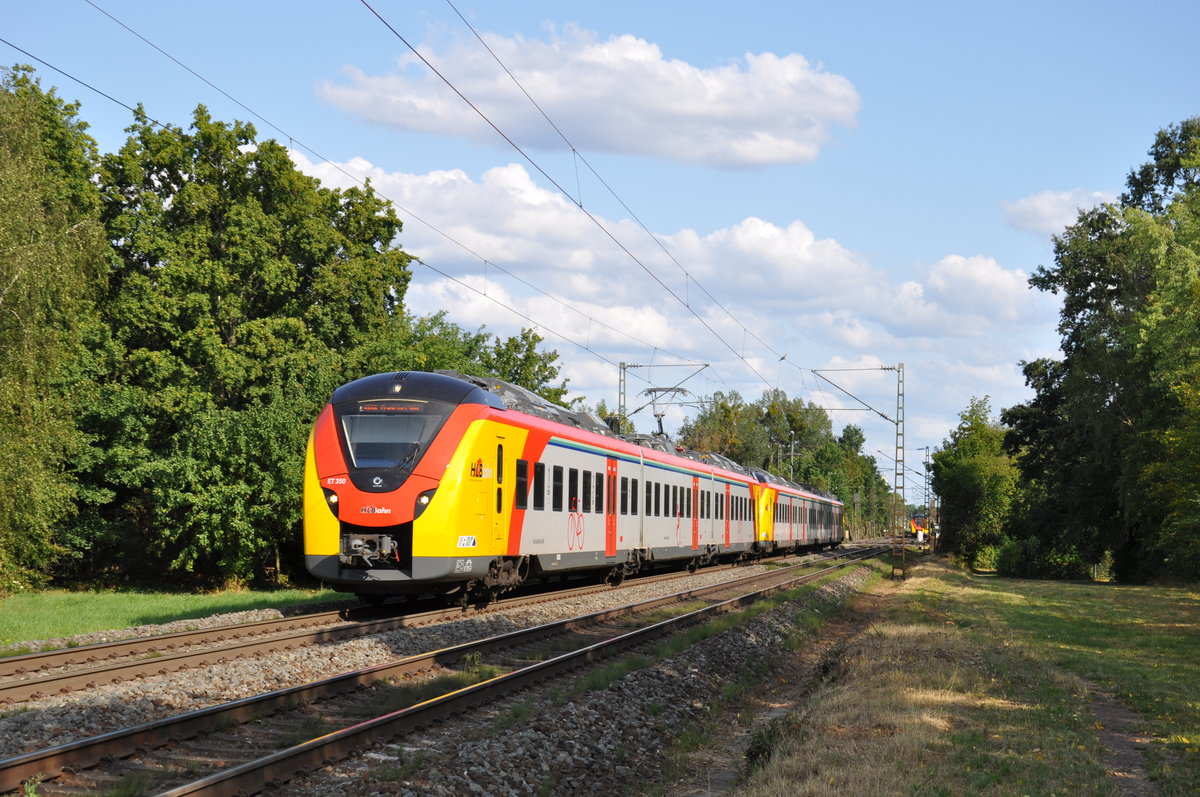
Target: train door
(695, 507)
(498, 526)
(728, 505)
(610, 508)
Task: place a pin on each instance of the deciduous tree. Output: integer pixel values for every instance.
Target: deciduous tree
(52, 255)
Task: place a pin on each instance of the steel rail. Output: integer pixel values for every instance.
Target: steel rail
(87, 752)
(261, 637)
(280, 767)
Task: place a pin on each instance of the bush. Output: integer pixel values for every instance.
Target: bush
(1010, 558)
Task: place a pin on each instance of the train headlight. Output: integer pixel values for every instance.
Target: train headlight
(331, 499)
(422, 501)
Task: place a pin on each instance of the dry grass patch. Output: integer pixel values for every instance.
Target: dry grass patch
(932, 701)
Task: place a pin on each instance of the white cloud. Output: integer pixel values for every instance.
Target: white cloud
(961, 325)
(979, 285)
(1049, 212)
(617, 95)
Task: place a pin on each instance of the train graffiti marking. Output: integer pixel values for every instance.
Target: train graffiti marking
(575, 531)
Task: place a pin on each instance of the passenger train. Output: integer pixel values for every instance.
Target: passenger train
(442, 483)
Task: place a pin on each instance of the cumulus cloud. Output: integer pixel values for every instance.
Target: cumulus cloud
(618, 95)
(1049, 212)
(499, 240)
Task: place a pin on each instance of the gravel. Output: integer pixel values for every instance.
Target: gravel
(609, 741)
(603, 737)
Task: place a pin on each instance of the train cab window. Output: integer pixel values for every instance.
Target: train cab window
(633, 495)
(573, 490)
(587, 492)
(383, 441)
(539, 485)
(522, 484)
(599, 482)
(557, 497)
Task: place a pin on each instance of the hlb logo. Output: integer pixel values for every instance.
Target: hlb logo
(477, 469)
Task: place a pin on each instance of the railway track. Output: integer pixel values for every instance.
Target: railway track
(37, 675)
(256, 725)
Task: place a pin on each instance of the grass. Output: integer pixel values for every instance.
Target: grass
(60, 613)
(980, 685)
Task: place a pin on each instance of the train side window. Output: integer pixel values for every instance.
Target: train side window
(599, 482)
(587, 491)
(557, 503)
(625, 495)
(539, 485)
(573, 490)
(687, 504)
(657, 499)
(633, 495)
(522, 484)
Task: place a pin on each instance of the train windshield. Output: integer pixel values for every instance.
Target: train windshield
(390, 436)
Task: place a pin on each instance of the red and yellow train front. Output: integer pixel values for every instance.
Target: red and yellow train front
(404, 484)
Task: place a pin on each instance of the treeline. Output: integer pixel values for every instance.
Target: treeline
(1102, 465)
(172, 318)
(795, 440)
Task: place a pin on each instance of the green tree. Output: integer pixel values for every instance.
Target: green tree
(975, 480)
(51, 258)
(728, 426)
(243, 293)
(1091, 441)
(1165, 452)
(793, 439)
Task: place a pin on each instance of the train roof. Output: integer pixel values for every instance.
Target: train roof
(515, 397)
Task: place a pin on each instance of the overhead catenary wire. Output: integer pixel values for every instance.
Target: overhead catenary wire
(632, 214)
(537, 324)
(354, 178)
(529, 159)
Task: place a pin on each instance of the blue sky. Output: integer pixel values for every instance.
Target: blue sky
(859, 184)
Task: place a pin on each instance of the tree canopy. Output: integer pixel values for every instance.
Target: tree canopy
(1106, 447)
(975, 480)
(794, 440)
(173, 316)
(51, 263)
